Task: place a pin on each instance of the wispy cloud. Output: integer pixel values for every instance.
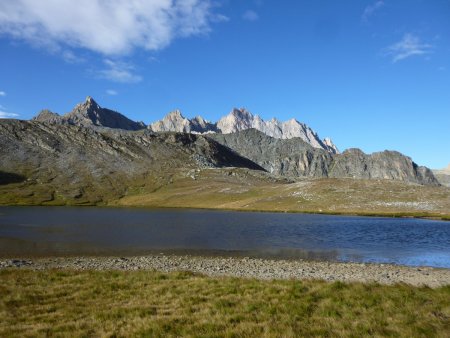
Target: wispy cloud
(408, 46)
(119, 71)
(371, 9)
(6, 115)
(111, 92)
(2, 93)
(113, 27)
(71, 57)
(219, 18)
(250, 15)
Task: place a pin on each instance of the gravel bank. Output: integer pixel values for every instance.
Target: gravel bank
(247, 268)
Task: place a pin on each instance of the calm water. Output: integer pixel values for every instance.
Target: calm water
(107, 231)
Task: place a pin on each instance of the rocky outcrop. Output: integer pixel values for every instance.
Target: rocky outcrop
(390, 165)
(90, 114)
(294, 157)
(285, 157)
(48, 116)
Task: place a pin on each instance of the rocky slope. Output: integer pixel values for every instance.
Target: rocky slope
(294, 157)
(241, 119)
(90, 114)
(89, 164)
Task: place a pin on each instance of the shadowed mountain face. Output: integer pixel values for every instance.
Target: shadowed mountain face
(294, 158)
(89, 113)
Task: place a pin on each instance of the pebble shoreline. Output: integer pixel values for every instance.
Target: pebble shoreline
(246, 268)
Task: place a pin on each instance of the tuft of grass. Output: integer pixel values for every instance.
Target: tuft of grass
(145, 303)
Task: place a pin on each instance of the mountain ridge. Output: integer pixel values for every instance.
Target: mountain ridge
(294, 150)
(296, 158)
(242, 119)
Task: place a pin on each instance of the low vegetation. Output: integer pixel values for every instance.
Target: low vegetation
(152, 304)
(240, 189)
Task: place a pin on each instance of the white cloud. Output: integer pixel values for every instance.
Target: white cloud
(6, 115)
(119, 71)
(113, 27)
(250, 15)
(409, 45)
(2, 93)
(111, 92)
(371, 9)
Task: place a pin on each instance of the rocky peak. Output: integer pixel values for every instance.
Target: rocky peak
(89, 113)
(47, 116)
(331, 147)
(173, 121)
(236, 120)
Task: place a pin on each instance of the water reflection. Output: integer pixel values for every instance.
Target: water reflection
(108, 231)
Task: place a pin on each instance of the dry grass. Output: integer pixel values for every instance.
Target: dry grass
(240, 190)
(152, 304)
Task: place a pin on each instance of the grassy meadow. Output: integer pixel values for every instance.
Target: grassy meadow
(239, 189)
(153, 304)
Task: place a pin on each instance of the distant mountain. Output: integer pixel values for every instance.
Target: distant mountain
(89, 113)
(296, 158)
(241, 119)
(443, 175)
(290, 149)
(174, 121)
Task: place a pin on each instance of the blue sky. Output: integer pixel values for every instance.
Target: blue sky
(369, 74)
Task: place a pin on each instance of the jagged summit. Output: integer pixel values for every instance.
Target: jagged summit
(90, 113)
(175, 121)
(241, 119)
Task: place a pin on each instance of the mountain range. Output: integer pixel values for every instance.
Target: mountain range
(90, 113)
(95, 146)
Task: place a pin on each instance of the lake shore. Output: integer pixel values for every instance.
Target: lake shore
(264, 269)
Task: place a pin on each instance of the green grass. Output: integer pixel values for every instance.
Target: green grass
(152, 304)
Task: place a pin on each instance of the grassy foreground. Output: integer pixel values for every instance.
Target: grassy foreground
(145, 303)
